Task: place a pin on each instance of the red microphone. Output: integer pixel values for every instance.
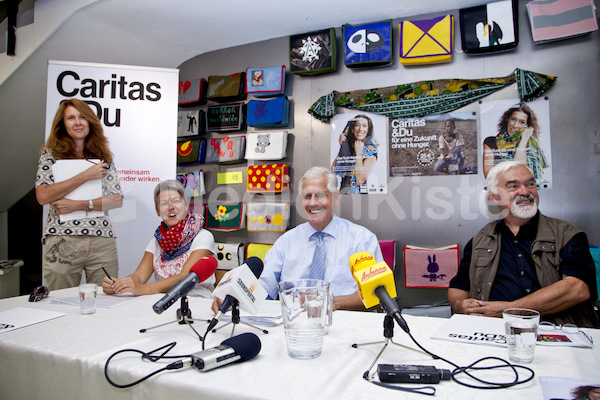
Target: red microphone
(203, 269)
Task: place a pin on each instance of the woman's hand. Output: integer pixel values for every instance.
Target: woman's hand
(125, 285)
(65, 206)
(107, 286)
(343, 137)
(358, 148)
(95, 171)
(526, 134)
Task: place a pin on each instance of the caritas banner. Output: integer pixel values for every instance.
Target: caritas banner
(138, 110)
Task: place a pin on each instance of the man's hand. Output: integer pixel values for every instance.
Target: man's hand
(485, 308)
(216, 304)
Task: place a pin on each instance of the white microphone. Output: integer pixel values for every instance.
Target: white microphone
(241, 285)
(238, 349)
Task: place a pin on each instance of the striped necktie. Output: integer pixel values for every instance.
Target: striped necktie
(317, 267)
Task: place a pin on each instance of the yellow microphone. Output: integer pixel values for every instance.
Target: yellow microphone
(358, 261)
(376, 284)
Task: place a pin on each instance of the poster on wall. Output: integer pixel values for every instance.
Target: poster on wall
(137, 107)
(511, 130)
(358, 152)
(440, 144)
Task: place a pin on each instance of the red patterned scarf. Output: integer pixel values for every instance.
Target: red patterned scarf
(177, 240)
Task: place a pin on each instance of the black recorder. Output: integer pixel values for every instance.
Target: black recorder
(394, 373)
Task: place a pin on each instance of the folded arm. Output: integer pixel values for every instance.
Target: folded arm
(551, 299)
(46, 194)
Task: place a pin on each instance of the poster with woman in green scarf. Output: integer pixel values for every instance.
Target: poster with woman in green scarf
(519, 131)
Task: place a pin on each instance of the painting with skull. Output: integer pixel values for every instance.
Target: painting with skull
(368, 45)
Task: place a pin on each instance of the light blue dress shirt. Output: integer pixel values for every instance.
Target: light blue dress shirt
(291, 255)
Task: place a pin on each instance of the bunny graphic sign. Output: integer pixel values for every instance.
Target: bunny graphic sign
(430, 267)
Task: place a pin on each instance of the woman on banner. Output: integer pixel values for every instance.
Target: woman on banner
(76, 236)
(518, 139)
(178, 242)
(357, 155)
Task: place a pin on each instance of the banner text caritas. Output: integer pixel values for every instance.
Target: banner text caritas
(70, 84)
(402, 134)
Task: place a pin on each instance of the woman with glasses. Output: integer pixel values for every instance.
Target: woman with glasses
(178, 242)
(77, 238)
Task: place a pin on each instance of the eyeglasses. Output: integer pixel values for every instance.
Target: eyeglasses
(566, 328)
(547, 326)
(39, 293)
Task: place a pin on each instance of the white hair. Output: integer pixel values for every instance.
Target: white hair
(320, 172)
(492, 177)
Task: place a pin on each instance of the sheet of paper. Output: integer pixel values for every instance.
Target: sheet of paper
(24, 316)
(490, 331)
(66, 169)
(102, 300)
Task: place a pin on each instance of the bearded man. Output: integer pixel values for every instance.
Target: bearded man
(525, 260)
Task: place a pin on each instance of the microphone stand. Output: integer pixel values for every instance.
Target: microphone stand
(235, 319)
(388, 333)
(184, 317)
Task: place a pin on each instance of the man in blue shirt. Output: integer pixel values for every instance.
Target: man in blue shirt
(292, 254)
(525, 260)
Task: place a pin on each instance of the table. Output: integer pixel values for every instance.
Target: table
(64, 358)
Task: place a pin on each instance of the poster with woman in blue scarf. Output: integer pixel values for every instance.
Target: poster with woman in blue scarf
(359, 153)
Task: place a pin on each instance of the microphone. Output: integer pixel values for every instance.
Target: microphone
(236, 349)
(376, 285)
(240, 285)
(203, 269)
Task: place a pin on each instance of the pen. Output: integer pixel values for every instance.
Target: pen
(95, 163)
(106, 272)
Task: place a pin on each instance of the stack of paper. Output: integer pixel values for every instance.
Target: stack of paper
(269, 314)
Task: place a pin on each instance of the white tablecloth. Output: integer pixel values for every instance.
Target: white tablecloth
(64, 358)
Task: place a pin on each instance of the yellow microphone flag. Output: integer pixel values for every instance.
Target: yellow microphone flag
(369, 278)
(359, 261)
